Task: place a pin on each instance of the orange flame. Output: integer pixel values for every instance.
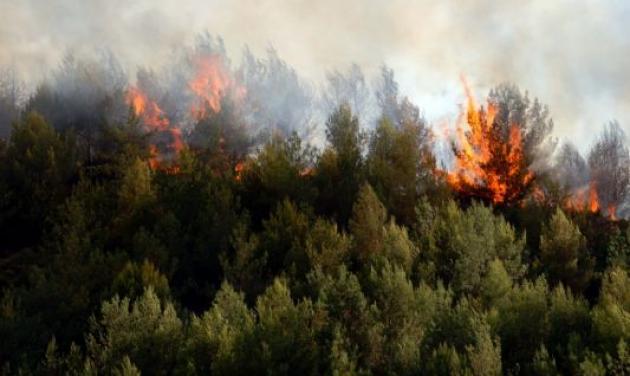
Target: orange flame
(587, 199)
(307, 171)
(154, 120)
(177, 144)
(593, 198)
(486, 163)
(612, 212)
(153, 159)
(584, 199)
(211, 83)
(151, 114)
(238, 171)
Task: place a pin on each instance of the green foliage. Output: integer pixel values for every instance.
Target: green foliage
(367, 224)
(344, 136)
(592, 366)
(133, 279)
(484, 356)
(73, 252)
(569, 327)
(36, 170)
(618, 249)
(280, 170)
(399, 165)
(445, 360)
(127, 368)
(146, 331)
(283, 237)
(285, 260)
(327, 249)
(283, 241)
(376, 241)
(193, 221)
(348, 312)
(611, 316)
(522, 323)
(342, 360)
(135, 186)
(398, 248)
(401, 312)
(619, 364)
(246, 266)
(280, 338)
(544, 364)
(563, 254)
(340, 167)
(457, 326)
(216, 336)
(461, 244)
(615, 288)
(496, 284)
(284, 338)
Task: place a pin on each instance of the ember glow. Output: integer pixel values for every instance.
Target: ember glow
(612, 212)
(238, 171)
(489, 162)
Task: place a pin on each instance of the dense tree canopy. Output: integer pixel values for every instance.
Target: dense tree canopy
(256, 252)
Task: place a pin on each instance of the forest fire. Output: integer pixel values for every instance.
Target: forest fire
(187, 209)
(211, 83)
(584, 199)
(238, 171)
(152, 116)
(612, 212)
(156, 122)
(490, 161)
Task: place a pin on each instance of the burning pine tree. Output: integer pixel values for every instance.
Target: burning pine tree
(497, 146)
(209, 81)
(166, 139)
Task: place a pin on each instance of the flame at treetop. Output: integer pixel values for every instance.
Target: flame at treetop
(147, 110)
(155, 120)
(488, 162)
(211, 82)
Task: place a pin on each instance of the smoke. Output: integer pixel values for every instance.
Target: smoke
(572, 56)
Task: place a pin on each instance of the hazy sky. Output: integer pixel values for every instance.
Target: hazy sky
(574, 56)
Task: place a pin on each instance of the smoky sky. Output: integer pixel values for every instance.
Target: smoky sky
(573, 56)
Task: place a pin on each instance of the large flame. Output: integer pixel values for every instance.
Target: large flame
(211, 82)
(487, 163)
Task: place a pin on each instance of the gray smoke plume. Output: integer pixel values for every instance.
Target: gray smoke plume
(573, 56)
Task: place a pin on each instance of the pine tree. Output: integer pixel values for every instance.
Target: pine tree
(563, 253)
